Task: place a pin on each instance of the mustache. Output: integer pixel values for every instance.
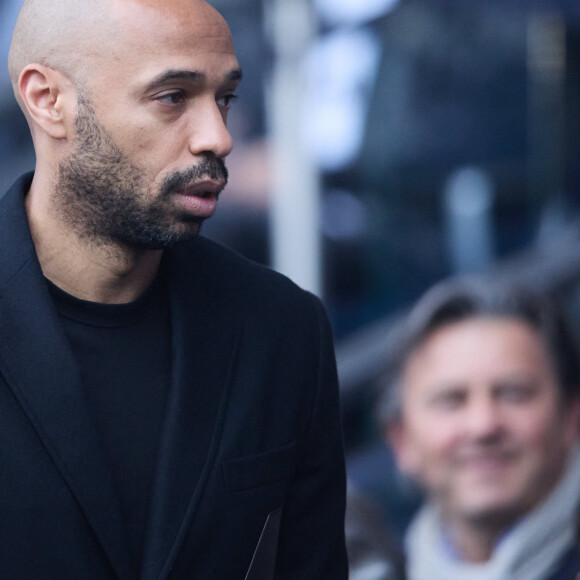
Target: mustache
(210, 166)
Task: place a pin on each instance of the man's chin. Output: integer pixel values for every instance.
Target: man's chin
(496, 511)
(162, 240)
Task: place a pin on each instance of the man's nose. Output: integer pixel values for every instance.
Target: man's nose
(209, 132)
(483, 419)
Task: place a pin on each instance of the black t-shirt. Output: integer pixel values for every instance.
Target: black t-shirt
(124, 352)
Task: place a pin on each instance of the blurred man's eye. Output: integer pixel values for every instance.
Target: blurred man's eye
(516, 393)
(447, 401)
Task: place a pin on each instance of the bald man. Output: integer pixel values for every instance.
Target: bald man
(167, 408)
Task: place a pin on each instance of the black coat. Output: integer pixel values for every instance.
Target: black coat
(250, 475)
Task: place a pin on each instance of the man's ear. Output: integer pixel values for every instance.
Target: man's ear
(571, 421)
(397, 438)
(43, 91)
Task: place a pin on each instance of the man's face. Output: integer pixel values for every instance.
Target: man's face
(146, 165)
(483, 427)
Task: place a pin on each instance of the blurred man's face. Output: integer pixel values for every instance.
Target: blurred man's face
(483, 427)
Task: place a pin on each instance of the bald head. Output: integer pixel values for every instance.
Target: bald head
(55, 33)
(67, 35)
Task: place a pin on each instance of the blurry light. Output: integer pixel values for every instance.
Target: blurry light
(341, 69)
(372, 570)
(469, 192)
(292, 26)
(337, 12)
(469, 198)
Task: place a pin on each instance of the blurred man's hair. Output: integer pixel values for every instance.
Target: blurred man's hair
(459, 299)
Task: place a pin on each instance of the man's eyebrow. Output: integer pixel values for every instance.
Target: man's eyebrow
(171, 75)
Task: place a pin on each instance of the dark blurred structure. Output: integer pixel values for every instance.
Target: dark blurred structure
(373, 554)
(16, 153)
(490, 87)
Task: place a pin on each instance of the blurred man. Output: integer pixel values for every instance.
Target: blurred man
(485, 417)
(167, 409)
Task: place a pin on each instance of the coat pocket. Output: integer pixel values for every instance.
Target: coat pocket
(261, 469)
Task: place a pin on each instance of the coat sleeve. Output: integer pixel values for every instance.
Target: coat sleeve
(311, 543)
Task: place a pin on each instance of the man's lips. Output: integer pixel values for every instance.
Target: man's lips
(200, 198)
(203, 189)
(486, 461)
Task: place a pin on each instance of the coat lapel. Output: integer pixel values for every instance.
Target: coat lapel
(39, 367)
(204, 352)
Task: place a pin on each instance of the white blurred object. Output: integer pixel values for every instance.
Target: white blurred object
(295, 234)
(372, 570)
(337, 12)
(469, 198)
(341, 72)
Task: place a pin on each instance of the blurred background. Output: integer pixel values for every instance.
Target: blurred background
(382, 145)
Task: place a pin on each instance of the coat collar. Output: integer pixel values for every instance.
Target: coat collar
(40, 369)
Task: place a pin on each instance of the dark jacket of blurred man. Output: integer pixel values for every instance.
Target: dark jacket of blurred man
(485, 417)
(167, 409)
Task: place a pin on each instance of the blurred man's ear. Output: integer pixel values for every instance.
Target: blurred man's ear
(571, 421)
(45, 94)
(397, 438)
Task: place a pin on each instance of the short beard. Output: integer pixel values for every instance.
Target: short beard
(106, 199)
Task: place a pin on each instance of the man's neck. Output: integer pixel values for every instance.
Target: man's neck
(472, 545)
(98, 278)
(474, 541)
(106, 273)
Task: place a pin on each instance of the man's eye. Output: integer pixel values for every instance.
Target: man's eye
(226, 100)
(448, 401)
(516, 393)
(172, 98)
